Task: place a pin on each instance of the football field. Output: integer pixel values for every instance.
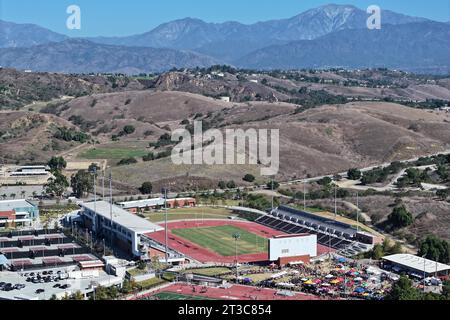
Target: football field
(220, 240)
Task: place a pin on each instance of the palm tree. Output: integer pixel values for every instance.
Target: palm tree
(4, 196)
(13, 195)
(22, 193)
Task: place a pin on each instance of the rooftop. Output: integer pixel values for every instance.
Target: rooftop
(142, 203)
(9, 205)
(417, 263)
(122, 217)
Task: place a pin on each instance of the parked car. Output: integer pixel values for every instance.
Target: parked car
(39, 291)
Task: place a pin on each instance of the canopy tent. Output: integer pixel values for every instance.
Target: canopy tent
(360, 290)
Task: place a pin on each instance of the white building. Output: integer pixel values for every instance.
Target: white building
(292, 247)
(414, 265)
(125, 228)
(18, 212)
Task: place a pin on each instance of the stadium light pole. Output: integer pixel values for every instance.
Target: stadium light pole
(236, 237)
(304, 195)
(165, 225)
(110, 209)
(272, 192)
(103, 184)
(335, 202)
(94, 171)
(357, 212)
(424, 271)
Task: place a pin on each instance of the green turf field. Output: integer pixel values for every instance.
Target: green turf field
(220, 240)
(176, 296)
(190, 214)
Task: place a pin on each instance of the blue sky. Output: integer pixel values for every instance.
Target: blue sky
(119, 17)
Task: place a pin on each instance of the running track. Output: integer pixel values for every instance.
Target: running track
(204, 255)
(236, 292)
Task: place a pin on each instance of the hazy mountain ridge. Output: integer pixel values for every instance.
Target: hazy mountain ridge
(330, 35)
(82, 56)
(418, 47)
(14, 35)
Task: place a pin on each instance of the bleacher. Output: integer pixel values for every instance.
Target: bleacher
(285, 224)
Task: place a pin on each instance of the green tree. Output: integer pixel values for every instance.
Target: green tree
(146, 188)
(81, 183)
(354, 174)
(249, 178)
(442, 171)
(128, 129)
(403, 290)
(127, 161)
(377, 252)
(222, 185)
(57, 163)
(149, 157)
(400, 217)
(56, 185)
(435, 249)
(273, 185)
(443, 194)
(231, 185)
(325, 181)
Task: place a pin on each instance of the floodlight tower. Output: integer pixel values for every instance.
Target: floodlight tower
(357, 212)
(165, 224)
(111, 209)
(236, 237)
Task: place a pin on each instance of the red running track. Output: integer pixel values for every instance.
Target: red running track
(204, 255)
(235, 292)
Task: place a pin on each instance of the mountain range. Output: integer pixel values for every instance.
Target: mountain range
(327, 36)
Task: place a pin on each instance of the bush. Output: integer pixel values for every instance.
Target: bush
(146, 188)
(127, 161)
(400, 217)
(128, 129)
(354, 174)
(148, 157)
(231, 185)
(249, 178)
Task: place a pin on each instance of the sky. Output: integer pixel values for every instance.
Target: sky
(119, 17)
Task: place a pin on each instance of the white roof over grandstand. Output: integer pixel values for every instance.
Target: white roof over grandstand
(122, 217)
(417, 263)
(9, 205)
(142, 203)
(245, 209)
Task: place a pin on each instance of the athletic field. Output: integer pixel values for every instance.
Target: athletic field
(219, 239)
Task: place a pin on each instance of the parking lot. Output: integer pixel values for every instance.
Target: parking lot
(42, 284)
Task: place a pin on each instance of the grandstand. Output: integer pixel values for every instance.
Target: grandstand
(332, 234)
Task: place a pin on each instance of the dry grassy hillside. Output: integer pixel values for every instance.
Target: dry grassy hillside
(28, 137)
(327, 139)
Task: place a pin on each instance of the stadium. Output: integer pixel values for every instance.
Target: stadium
(213, 241)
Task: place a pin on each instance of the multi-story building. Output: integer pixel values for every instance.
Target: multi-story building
(14, 213)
